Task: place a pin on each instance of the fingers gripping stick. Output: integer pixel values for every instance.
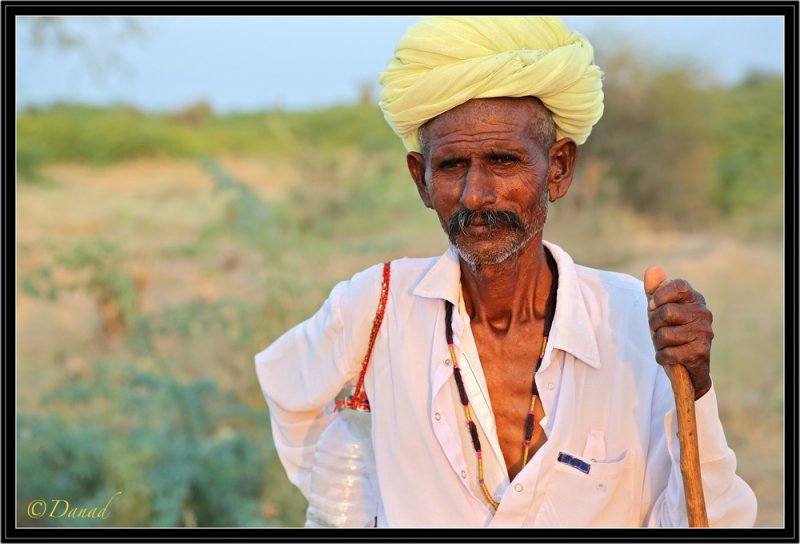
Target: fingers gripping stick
(683, 390)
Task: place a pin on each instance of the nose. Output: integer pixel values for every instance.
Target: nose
(479, 189)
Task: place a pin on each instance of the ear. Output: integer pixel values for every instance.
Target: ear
(416, 167)
(562, 155)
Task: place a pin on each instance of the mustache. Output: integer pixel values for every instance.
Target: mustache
(492, 218)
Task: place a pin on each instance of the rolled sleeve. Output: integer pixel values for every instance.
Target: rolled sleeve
(729, 500)
(303, 371)
(300, 375)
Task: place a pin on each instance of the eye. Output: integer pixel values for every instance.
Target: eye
(503, 158)
(450, 164)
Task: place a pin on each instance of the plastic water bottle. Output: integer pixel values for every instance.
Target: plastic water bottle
(343, 479)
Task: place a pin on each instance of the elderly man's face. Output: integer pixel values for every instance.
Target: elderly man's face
(486, 177)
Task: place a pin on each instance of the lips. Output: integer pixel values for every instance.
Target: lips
(478, 221)
(482, 223)
(482, 228)
(474, 228)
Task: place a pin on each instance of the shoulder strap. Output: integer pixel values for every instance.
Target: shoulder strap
(358, 400)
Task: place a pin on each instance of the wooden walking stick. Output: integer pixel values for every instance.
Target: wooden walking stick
(687, 437)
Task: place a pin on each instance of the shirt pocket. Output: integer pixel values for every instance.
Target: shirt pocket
(603, 497)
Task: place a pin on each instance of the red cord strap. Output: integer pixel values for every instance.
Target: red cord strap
(358, 400)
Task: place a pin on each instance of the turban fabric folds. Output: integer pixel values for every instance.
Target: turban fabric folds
(442, 62)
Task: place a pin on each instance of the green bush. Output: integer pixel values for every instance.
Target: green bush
(749, 147)
(181, 452)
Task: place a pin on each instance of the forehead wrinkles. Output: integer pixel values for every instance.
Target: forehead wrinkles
(481, 119)
(482, 133)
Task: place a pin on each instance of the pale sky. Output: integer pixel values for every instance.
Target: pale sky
(241, 63)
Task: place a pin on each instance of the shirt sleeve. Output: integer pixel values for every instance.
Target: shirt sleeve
(729, 500)
(303, 371)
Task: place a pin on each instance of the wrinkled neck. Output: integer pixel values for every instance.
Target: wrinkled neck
(509, 293)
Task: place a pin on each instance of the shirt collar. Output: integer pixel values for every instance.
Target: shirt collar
(443, 279)
(572, 329)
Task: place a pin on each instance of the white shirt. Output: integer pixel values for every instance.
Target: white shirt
(607, 403)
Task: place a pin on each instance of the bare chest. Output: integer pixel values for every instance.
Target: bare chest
(509, 367)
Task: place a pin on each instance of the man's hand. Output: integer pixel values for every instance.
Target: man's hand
(680, 324)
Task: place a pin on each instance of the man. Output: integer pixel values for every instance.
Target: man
(509, 387)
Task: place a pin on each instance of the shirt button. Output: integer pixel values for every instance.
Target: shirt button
(551, 386)
(464, 474)
(447, 362)
(518, 488)
(438, 416)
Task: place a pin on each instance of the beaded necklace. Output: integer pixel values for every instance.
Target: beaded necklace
(462, 393)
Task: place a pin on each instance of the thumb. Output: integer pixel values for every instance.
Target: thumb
(654, 276)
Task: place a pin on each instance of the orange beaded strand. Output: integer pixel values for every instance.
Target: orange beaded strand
(470, 424)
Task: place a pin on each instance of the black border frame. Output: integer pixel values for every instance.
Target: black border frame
(11, 9)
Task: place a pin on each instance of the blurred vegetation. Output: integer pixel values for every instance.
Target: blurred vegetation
(101, 136)
(666, 145)
(157, 397)
(184, 450)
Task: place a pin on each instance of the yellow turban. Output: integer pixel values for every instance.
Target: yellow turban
(442, 62)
